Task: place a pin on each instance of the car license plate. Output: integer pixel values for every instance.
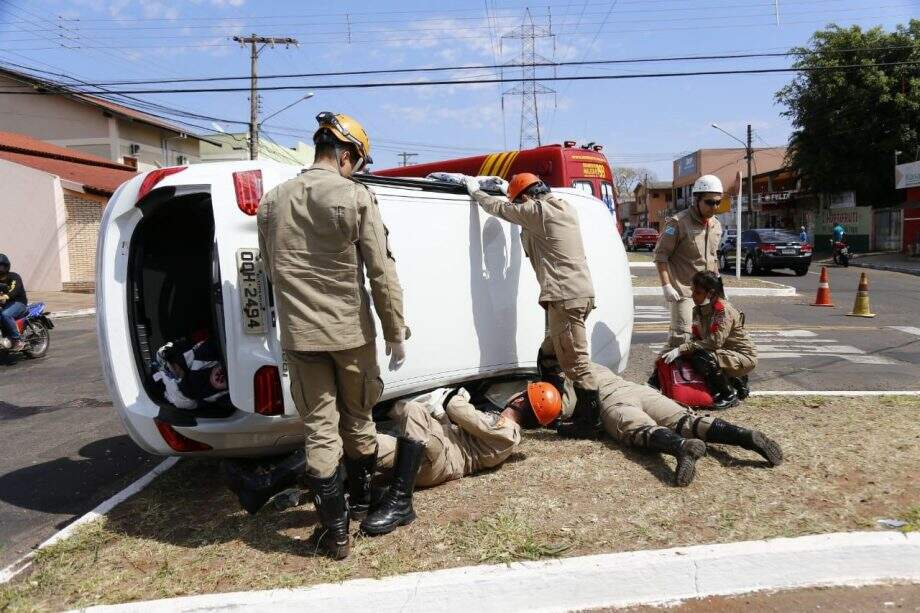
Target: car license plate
(788, 251)
(252, 291)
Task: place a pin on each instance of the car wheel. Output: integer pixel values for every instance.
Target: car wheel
(723, 263)
(749, 267)
(800, 272)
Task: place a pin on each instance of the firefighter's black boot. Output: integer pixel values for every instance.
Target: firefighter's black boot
(331, 535)
(396, 507)
(726, 433)
(686, 450)
(741, 386)
(586, 417)
(360, 474)
(254, 486)
(723, 393)
(550, 371)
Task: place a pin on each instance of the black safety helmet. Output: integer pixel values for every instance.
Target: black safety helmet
(4, 262)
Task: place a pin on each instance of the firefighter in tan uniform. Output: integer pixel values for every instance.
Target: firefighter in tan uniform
(720, 349)
(453, 439)
(640, 416)
(688, 245)
(551, 238)
(319, 234)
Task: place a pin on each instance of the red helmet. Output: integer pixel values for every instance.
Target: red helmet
(519, 183)
(545, 401)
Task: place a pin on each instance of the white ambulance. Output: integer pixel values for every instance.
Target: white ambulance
(178, 256)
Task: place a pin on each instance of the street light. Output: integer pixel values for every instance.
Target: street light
(749, 154)
(306, 96)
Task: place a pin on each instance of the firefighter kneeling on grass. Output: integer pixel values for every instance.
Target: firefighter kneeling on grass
(720, 349)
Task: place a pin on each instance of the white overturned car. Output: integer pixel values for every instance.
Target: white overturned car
(178, 254)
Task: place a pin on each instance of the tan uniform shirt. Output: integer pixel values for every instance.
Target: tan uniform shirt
(480, 440)
(551, 238)
(720, 327)
(318, 233)
(688, 245)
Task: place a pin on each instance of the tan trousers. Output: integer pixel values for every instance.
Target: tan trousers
(567, 339)
(630, 415)
(681, 322)
(733, 363)
(334, 392)
(436, 467)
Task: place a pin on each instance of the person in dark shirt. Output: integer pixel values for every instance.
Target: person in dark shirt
(12, 302)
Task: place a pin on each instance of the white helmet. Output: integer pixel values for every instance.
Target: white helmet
(708, 184)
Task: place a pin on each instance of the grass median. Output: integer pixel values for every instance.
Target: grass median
(728, 280)
(849, 462)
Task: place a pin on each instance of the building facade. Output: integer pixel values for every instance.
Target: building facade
(93, 125)
(654, 199)
(232, 147)
(53, 201)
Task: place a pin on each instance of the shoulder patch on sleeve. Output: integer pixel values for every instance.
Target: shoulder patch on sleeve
(670, 231)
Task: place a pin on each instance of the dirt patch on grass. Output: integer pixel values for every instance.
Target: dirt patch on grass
(848, 462)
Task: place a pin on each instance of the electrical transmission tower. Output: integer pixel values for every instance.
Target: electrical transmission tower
(530, 88)
(405, 155)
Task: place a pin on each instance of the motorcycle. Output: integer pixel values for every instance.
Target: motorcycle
(841, 253)
(35, 331)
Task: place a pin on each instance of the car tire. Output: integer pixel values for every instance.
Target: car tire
(800, 272)
(723, 262)
(750, 266)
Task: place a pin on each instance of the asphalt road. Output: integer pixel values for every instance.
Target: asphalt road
(63, 446)
(64, 449)
(812, 348)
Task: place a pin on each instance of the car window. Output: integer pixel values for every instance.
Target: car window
(748, 236)
(584, 186)
(607, 194)
(779, 236)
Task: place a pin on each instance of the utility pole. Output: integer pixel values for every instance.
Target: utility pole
(405, 155)
(257, 43)
(529, 88)
(749, 154)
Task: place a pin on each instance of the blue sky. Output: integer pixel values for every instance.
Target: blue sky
(641, 122)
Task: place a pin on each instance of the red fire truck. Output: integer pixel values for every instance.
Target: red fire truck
(584, 168)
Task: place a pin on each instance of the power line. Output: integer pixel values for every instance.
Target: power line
(606, 77)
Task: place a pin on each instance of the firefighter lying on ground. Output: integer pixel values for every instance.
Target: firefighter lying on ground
(640, 416)
(444, 437)
(720, 349)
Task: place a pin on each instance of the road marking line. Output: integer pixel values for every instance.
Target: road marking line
(844, 393)
(906, 329)
(104, 507)
(597, 581)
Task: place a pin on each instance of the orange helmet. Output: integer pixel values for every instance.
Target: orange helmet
(544, 400)
(519, 183)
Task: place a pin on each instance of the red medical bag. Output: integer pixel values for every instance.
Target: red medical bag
(681, 383)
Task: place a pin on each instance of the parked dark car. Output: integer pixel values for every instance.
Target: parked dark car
(642, 238)
(764, 249)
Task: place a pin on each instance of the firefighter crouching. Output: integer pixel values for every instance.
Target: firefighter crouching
(720, 348)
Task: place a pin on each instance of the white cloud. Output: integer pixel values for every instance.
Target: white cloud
(471, 117)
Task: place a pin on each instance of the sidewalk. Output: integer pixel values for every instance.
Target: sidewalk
(66, 304)
(892, 262)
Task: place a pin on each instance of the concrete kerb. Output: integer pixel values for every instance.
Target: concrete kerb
(605, 580)
(74, 313)
(101, 510)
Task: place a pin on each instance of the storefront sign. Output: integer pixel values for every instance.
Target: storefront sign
(907, 175)
(856, 220)
(686, 165)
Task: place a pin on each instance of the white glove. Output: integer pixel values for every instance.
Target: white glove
(472, 185)
(670, 294)
(433, 401)
(397, 353)
(671, 355)
(503, 186)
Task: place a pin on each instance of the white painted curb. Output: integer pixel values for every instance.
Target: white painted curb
(104, 507)
(608, 580)
(784, 290)
(69, 314)
(845, 393)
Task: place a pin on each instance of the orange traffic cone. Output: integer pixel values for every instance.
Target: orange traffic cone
(824, 291)
(861, 305)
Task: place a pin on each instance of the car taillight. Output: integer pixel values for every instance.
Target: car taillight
(767, 247)
(248, 187)
(179, 442)
(154, 177)
(806, 248)
(268, 398)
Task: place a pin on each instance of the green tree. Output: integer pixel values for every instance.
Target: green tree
(848, 123)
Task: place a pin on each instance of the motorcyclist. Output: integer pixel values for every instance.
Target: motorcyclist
(13, 302)
(839, 233)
